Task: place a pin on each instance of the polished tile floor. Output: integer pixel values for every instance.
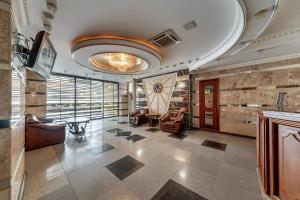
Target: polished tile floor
(132, 163)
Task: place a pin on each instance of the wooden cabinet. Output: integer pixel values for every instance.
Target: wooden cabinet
(278, 156)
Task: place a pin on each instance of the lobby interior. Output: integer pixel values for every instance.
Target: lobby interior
(149, 100)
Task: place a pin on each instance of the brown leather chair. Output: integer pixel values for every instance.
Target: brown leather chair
(40, 133)
(172, 122)
(139, 117)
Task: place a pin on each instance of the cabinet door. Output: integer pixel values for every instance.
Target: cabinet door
(289, 163)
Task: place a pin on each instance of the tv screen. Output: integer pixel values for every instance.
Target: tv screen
(42, 55)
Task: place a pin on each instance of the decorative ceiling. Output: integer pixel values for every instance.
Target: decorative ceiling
(208, 34)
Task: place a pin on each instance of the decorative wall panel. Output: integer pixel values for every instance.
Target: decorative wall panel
(180, 97)
(158, 91)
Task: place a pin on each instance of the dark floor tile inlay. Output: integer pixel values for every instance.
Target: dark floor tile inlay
(124, 167)
(215, 145)
(123, 133)
(179, 137)
(102, 148)
(152, 130)
(114, 130)
(123, 122)
(135, 137)
(174, 191)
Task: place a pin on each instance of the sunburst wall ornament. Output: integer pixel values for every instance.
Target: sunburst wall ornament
(158, 91)
(157, 88)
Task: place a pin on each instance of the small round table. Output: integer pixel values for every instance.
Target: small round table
(74, 129)
(153, 119)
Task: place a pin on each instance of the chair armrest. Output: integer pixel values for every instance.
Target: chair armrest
(164, 118)
(134, 114)
(179, 118)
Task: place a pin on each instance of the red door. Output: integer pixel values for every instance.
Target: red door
(209, 104)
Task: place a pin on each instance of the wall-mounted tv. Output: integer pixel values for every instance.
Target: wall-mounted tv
(42, 55)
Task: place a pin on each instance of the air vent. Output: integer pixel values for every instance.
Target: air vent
(190, 25)
(166, 39)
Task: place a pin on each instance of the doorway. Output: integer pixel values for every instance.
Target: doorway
(209, 104)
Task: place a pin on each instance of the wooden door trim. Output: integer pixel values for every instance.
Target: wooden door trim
(216, 101)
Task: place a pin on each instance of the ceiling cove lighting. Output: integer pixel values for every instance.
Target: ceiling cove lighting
(116, 55)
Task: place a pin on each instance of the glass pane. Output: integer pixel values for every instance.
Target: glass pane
(108, 99)
(208, 92)
(96, 99)
(116, 99)
(83, 98)
(92, 98)
(209, 119)
(67, 87)
(53, 97)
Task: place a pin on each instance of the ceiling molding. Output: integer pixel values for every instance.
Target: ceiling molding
(282, 37)
(230, 41)
(255, 62)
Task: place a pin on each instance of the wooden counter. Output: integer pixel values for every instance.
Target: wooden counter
(278, 154)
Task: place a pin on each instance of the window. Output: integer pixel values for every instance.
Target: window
(96, 99)
(83, 98)
(111, 99)
(69, 97)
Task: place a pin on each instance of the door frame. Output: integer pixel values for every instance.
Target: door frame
(216, 101)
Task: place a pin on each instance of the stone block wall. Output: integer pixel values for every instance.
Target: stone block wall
(36, 94)
(12, 130)
(241, 87)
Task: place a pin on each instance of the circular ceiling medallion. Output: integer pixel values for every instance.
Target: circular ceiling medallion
(116, 55)
(157, 87)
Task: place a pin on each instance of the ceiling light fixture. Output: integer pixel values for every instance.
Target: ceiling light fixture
(115, 55)
(118, 61)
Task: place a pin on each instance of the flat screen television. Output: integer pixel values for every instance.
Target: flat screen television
(42, 55)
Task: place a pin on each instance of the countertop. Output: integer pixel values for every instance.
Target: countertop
(291, 113)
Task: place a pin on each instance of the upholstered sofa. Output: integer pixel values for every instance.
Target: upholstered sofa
(139, 117)
(172, 122)
(42, 133)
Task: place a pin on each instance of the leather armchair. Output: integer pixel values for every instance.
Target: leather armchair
(172, 122)
(40, 134)
(139, 117)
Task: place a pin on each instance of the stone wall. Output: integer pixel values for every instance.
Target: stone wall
(241, 87)
(36, 94)
(12, 119)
